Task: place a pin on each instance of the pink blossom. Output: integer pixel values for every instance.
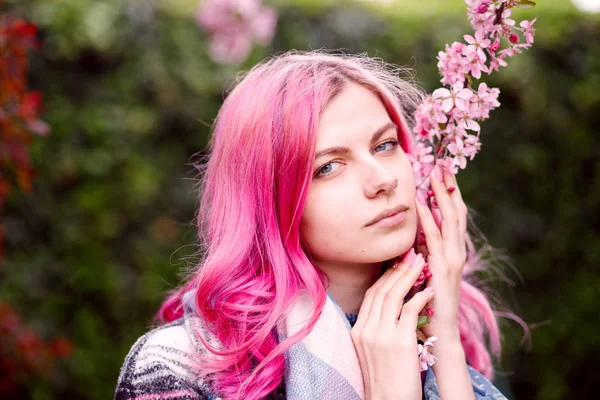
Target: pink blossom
(505, 20)
(472, 145)
(456, 148)
(450, 64)
(484, 21)
(444, 119)
(478, 43)
(496, 63)
(484, 101)
(473, 64)
(448, 165)
(233, 26)
(426, 359)
(471, 124)
(422, 153)
(428, 117)
(458, 97)
(422, 159)
(457, 47)
(529, 30)
(509, 52)
(453, 130)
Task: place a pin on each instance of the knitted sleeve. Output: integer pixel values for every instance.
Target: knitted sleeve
(158, 367)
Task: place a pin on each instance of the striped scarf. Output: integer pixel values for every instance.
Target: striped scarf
(324, 365)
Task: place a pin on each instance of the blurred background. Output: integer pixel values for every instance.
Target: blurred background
(97, 191)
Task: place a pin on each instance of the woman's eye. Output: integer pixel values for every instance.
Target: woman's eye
(327, 169)
(386, 146)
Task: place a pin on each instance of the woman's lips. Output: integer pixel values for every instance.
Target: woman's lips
(389, 213)
(392, 220)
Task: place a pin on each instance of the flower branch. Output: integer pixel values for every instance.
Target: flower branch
(447, 121)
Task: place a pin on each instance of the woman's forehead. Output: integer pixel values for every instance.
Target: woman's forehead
(355, 112)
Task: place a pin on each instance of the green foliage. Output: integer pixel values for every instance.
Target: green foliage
(130, 94)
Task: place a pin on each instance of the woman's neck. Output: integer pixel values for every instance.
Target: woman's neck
(349, 283)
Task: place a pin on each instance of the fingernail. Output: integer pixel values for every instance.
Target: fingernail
(409, 256)
(417, 260)
(429, 311)
(451, 189)
(428, 289)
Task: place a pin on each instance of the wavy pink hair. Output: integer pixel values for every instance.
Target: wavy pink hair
(253, 193)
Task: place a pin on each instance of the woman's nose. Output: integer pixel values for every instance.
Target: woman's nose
(380, 179)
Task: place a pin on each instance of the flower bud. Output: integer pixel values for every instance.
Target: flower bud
(483, 7)
(513, 38)
(494, 46)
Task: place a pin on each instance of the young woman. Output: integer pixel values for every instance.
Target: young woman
(311, 235)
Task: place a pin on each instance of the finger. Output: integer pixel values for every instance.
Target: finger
(432, 233)
(399, 267)
(381, 296)
(449, 217)
(437, 216)
(368, 307)
(410, 312)
(459, 205)
(394, 297)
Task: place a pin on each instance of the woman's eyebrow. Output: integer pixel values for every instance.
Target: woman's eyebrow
(343, 150)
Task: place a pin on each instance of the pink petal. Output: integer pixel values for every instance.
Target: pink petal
(441, 92)
(447, 105)
(472, 125)
(479, 35)
(457, 87)
(461, 104)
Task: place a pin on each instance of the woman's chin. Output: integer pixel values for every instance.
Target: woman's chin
(392, 246)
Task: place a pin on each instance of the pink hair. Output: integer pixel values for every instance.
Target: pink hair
(253, 194)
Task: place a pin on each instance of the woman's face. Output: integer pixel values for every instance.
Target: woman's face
(360, 171)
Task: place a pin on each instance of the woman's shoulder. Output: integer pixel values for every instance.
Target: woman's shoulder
(159, 365)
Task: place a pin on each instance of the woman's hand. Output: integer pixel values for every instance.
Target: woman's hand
(446, 254)
(387, 346)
